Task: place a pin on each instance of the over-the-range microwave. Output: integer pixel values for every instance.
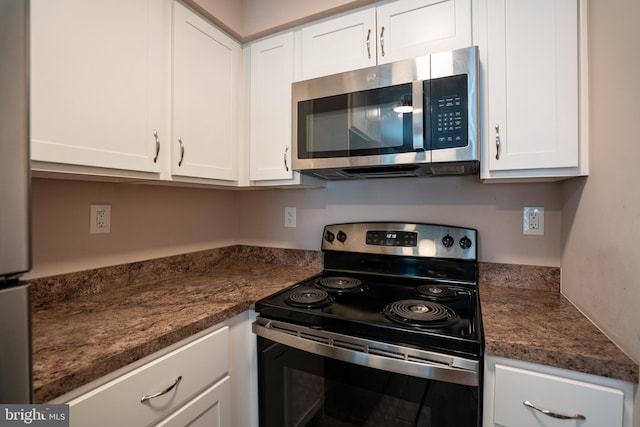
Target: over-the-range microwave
(414, 117)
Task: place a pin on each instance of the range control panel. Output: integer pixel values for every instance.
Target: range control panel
(405, 239)
(392, 238)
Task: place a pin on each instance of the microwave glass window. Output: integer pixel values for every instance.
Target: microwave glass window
(372, 122)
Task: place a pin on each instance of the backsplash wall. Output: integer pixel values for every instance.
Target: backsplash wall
(152, 221)
(146, 222)
(494, 209)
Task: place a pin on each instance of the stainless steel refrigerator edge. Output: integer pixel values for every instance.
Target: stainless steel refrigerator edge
(15, 213)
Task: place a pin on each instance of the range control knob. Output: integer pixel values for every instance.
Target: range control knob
(447, 241)
(329, 237)
(465, 242)
(342, 236)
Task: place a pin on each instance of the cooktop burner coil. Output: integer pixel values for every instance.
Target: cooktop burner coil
(438, 292)
(309, 298)
(419, 313)
(340, 284)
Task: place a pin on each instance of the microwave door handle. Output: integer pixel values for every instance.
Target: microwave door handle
(417, 116)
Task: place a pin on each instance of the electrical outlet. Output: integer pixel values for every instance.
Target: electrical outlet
(533, 221)
(100, 219)
(290, 217)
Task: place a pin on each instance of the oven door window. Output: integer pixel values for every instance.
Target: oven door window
(298, 388)
(371, 122)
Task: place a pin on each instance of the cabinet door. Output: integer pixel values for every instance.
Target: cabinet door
(600, 406)
(206, 78)
(272, 68)
(532, 84)
(96, 82)
(210, 409)
(340, 44)
(181, 374)
(411, 28)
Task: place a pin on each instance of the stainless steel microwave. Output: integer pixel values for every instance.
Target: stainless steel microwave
(416, 117)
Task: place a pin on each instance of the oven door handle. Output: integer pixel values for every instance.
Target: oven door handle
(369, 353)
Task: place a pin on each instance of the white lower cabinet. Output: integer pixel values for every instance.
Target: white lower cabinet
(205, 380)
(210, 409)
(520, 394)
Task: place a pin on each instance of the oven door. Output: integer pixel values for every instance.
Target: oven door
(333, 383)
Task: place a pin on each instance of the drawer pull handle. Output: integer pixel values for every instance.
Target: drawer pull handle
(553, 414)
(160, 393)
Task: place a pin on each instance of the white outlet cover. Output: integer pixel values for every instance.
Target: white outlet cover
(533, 221)
(96, 226)
(290, 217)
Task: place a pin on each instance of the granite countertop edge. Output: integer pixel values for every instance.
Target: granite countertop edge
(211, 293)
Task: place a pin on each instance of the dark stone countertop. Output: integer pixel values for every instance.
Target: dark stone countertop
(81, 332)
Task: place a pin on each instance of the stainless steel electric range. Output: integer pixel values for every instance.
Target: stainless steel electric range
(388, 334)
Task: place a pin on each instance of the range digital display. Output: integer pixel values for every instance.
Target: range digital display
(392, 238)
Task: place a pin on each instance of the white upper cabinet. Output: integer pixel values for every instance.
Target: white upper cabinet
(272, 68)
(535, 81)
(340, 44)
(97, 84)
(397, 30)
(207, 72)
(411, 28)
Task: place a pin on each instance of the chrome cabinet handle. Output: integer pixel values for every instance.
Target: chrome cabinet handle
(497, 142)
(382, 41)
(286, 166)
(155, 135)
(369, 43)
(160, 393)
(553, 414)
(181, 151)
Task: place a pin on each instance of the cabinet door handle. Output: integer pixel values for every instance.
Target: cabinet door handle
(497, 142)
(369, 43)
(155, 135)
(181, 151)
(160, 393)
(382, 41)
(286, 166)
(553, 414)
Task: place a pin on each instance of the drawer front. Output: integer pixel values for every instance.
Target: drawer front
(212, 408)
(199, 363)
(601, 406)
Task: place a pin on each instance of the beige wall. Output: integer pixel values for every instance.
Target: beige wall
(250, 19)
(153, 221)
(494, 209)
(260, 16)
(146, 222)
(601, 214)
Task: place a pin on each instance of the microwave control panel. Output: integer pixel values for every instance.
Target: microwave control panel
(449, 116)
